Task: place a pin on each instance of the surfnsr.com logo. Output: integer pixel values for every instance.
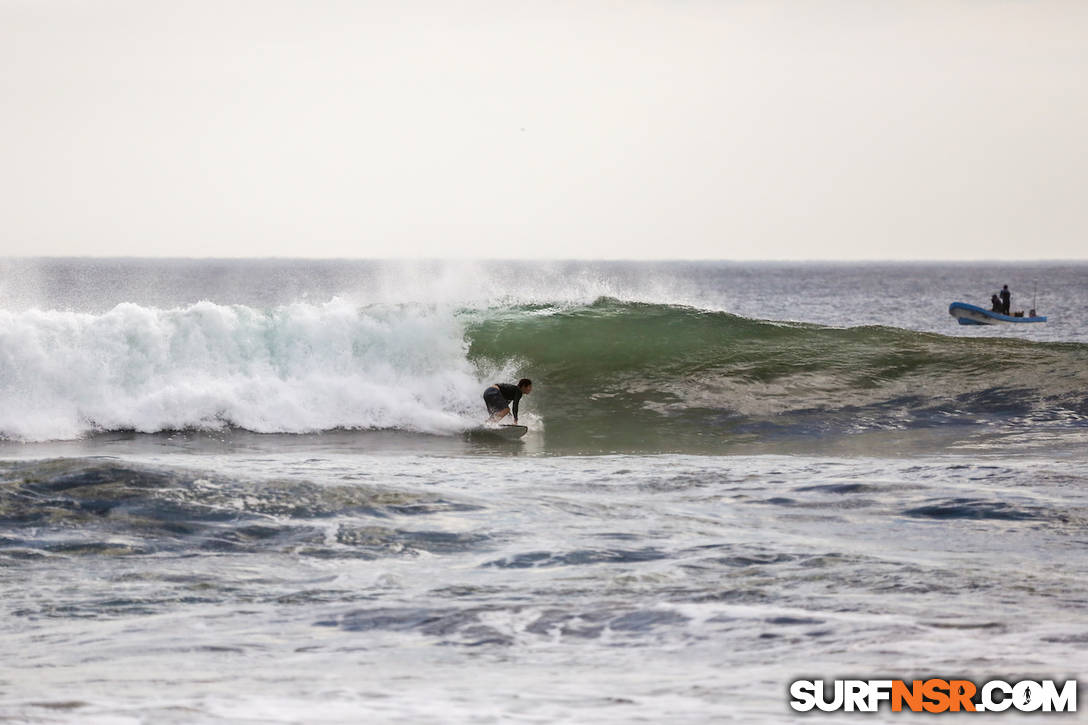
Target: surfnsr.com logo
(933, 695)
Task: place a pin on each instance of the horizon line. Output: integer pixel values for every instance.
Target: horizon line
(523, 260)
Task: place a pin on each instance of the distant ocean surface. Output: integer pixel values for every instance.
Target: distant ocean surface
(242, 491)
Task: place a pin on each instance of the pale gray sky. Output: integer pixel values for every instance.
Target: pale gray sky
(732, 129)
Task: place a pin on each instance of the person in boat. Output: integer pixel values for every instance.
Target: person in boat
(995, 303)
(498, 398)
(1006, 300)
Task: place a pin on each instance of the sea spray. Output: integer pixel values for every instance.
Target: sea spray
(295, 368)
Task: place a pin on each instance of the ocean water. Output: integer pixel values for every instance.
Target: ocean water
(242, 491)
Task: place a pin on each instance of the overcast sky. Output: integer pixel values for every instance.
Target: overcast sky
(732, 129)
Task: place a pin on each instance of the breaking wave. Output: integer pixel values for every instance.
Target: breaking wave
(631, 371)
(298, 368)
(662, 377)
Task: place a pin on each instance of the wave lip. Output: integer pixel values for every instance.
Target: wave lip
(664, 377)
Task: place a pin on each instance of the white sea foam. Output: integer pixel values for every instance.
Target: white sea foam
(296, 368)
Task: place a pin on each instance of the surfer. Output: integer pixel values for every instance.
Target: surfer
(499, 396)
(1006, 300)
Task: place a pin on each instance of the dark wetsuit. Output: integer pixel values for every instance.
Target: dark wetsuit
(1006, 300)
(499, 400)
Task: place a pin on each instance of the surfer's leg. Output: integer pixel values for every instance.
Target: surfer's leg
(497, 407)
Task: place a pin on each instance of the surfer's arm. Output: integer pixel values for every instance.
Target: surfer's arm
(514, 410)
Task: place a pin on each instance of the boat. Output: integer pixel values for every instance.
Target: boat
(967, 314)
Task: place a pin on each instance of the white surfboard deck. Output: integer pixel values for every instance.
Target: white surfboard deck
(510, 432)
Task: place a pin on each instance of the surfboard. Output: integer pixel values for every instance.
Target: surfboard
(509, 432)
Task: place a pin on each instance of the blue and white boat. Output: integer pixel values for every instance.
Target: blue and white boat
(967, 314)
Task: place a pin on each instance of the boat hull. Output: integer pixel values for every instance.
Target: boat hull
(966, 314)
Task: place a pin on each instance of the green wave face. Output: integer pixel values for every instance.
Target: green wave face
(624, 376)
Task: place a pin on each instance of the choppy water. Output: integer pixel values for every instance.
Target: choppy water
(241, 492)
